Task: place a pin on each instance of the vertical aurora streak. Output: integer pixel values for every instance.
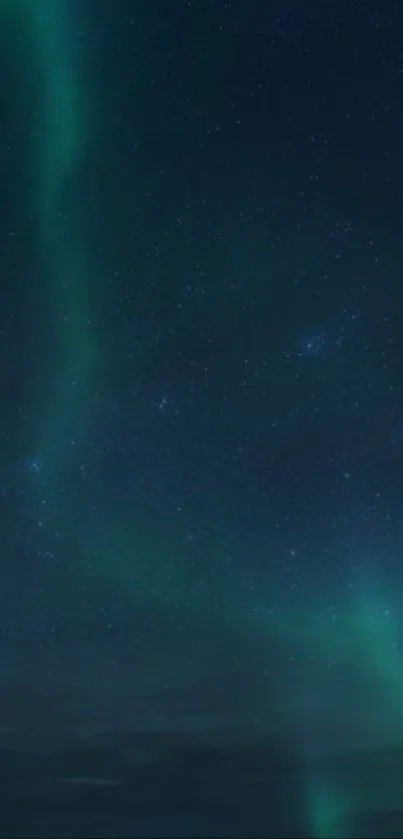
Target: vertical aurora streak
(48, 26)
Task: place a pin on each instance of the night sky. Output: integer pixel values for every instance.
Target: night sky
(201, 427)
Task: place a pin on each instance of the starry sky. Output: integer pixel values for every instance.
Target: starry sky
(201, 333)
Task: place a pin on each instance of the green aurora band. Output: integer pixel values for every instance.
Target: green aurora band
(63, 134)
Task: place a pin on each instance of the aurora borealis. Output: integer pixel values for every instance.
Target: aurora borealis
(202, 424)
